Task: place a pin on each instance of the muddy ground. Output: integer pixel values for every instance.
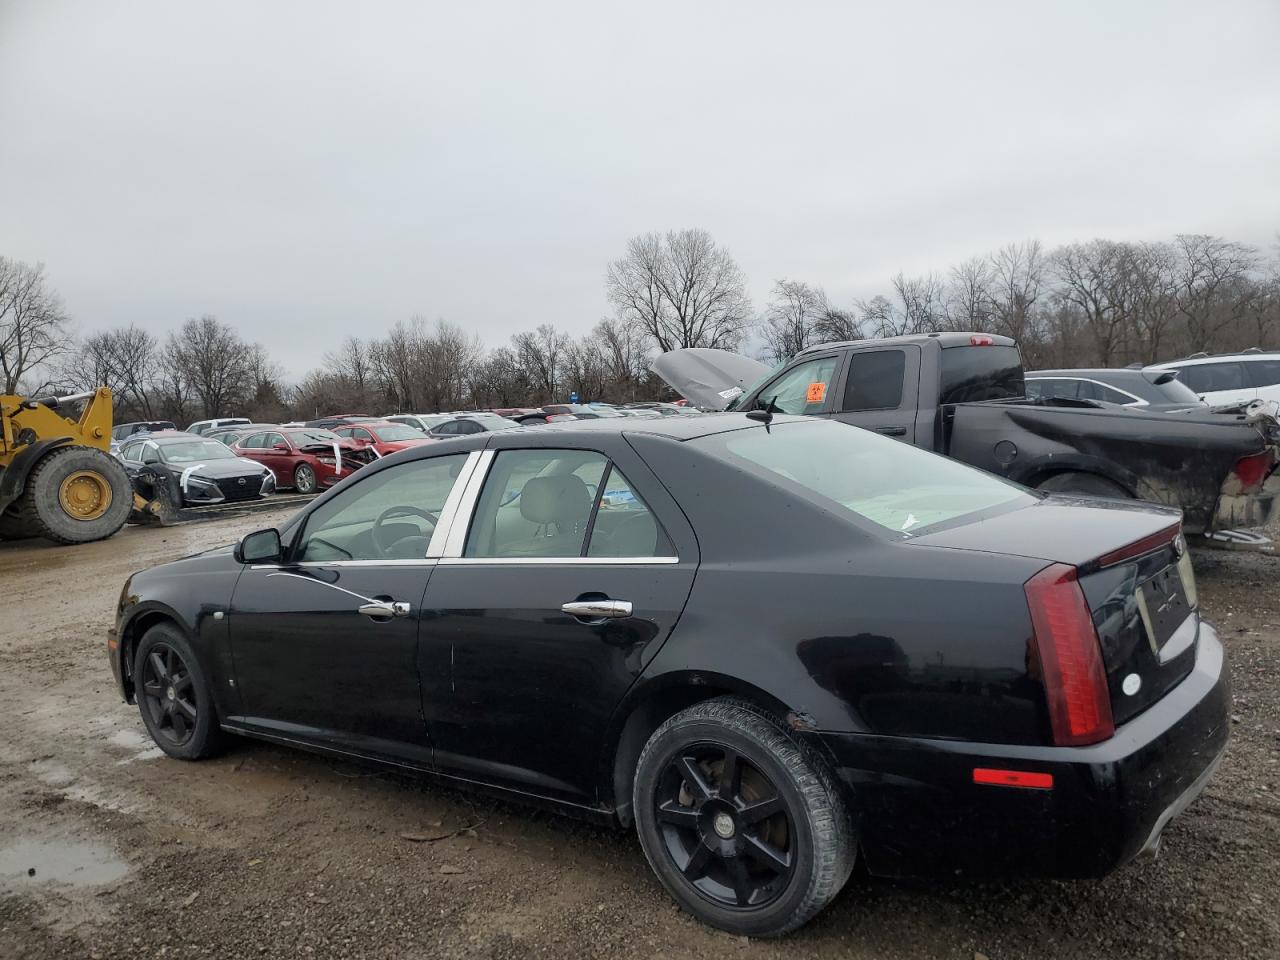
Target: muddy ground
(268, 852)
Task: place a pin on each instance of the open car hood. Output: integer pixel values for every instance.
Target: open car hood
(709, 379)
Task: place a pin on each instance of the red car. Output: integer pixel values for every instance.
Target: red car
(305, 458)
(383, 436)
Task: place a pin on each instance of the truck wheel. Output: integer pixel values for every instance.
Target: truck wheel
(74, 495)
(304, 479)
(744, 826)
(1083, 484)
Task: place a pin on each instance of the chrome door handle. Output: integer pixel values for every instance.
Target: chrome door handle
(597, 609)
(384, 609)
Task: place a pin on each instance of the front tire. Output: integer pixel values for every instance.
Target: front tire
(174, 696)
(75, 494)
(304, 479)
(742, 823)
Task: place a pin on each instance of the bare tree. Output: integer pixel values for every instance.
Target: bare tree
(1151, 275)
(681, 289)
(1213, 287)
(1092, 280)
(623, 348)
(970, 294)
(790, 323)
(126, 360)
(216, 364)
(1016, 277)
(33, 325)
(540, 353)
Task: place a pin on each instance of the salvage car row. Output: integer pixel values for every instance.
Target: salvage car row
(232, 459)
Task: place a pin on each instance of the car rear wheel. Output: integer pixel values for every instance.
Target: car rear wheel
(304, 479)
(743, 825)
(1084, 484)
(173, 695)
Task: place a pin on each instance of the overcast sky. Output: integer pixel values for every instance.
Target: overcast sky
(308, 170)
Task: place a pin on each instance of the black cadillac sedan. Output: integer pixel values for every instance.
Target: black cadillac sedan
(771, 644)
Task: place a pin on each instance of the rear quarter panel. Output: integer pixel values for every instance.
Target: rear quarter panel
(1175, 460)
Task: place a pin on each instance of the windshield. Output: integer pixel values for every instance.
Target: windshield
(899, 488)
(195, 451)
(305, 438)
(981, 373)
(398, 432)
(1172, 390)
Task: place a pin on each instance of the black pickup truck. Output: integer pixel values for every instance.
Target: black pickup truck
(963, 395)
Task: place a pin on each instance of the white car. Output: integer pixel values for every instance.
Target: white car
(1229, 377)
(201, 427)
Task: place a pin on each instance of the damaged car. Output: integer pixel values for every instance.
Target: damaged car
(893, 658)
(192, 471)
(305, 458)
(964, 395)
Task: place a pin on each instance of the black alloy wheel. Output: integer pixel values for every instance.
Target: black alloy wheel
(742, 821)
(725, 826)
(168, 695)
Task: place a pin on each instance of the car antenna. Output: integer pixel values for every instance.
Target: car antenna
(765, 415)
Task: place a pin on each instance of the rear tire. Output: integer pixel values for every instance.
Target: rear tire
(174, 696)
(74, 494)
(1083, 484)
(304, 479)
(757, 852)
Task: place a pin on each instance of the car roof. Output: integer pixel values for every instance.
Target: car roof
(1098, 372)
(169, 435)
(950, 339)
(676, 428)
(1197, 359)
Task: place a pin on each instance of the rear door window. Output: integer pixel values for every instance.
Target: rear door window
(1212, 377)
(874, 381)
(1264, 373)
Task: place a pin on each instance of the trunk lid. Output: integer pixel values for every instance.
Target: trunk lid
(1133, 568)
(710, 379)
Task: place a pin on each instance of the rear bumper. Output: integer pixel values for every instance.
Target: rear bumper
(1249, 509)
(921, 813)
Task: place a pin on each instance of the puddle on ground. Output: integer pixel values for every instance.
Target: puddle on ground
(74, 863)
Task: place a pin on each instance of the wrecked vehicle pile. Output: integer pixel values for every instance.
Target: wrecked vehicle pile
(963, 395)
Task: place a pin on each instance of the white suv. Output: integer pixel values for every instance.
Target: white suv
(1229, 377)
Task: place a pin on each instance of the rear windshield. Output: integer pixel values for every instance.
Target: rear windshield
(901, 489)
(981, 373)
(1173, 391)
(399, 432)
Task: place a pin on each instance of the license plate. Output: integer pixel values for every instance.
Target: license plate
(1162, 602)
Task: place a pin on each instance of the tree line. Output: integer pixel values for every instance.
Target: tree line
(1094, 303)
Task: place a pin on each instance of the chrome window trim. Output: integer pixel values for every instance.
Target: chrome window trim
(460, 522)
(423, 562)
(1137, 401)
(452, 503)
(554, 561)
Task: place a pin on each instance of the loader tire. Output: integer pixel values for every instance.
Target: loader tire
(74, 495)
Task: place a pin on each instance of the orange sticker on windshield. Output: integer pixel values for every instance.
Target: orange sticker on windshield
(817, 393)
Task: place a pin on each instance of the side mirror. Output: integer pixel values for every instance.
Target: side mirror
(261, 546)
(280, 446)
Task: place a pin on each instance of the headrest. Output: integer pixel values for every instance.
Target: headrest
(561, 499)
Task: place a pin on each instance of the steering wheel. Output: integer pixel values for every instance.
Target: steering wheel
(380, 540)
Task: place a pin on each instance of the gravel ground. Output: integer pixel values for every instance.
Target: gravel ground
(269, 852)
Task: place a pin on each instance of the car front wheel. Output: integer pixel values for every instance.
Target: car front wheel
(173, 695)
(304, 479)
(742, 823)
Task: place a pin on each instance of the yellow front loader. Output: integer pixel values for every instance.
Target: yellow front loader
(58, 478)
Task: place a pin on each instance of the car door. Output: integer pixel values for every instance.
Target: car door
(325, 641)
(1224, 382)
(803, 388)
(547, 605)
(880, 391)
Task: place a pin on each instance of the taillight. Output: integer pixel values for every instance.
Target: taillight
(980, 340)
(1252, 470)
(1075, 683)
